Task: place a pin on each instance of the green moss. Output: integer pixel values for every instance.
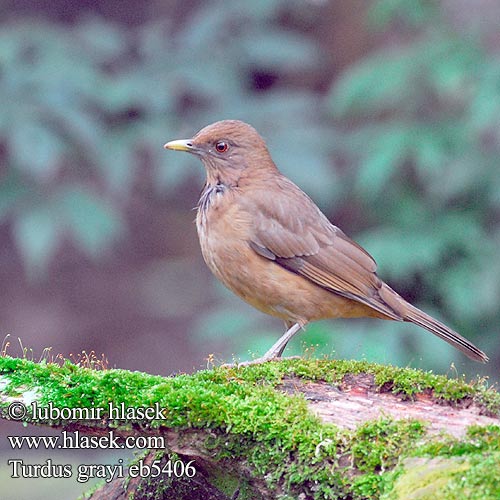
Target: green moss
(480, 481)
(87, 494)
(425, 479)
(478, 440)
(405, 381)
(450, 469)
(377, 445)
(274, 433)
(474, 477)
(224, 479)
(85, 387)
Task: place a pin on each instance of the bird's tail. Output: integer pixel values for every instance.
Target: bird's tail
(442, 331)
(414, 315)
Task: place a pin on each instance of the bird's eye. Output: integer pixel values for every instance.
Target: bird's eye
(221, 147)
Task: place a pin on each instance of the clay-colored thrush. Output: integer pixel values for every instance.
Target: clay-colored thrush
(268, 242)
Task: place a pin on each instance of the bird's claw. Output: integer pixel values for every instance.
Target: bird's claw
(257, 361)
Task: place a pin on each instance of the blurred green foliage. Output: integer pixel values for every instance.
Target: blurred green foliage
(426, 143)
(84, 106)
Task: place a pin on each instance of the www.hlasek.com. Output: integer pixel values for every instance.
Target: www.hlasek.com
(75, 440)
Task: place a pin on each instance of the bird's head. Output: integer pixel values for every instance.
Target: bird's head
(228, 149)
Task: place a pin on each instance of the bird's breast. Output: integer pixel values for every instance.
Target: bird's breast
(223, 227)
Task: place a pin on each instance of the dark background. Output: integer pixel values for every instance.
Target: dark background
(386, 113)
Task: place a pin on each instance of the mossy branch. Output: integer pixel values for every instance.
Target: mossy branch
(290, 429)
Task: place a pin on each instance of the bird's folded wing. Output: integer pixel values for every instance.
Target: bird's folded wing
(306, 243)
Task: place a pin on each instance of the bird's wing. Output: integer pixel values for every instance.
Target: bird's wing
(292, 231)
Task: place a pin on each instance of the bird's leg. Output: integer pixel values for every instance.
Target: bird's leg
(277, 349)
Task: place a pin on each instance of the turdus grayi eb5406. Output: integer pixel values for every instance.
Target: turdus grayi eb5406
(267, 241)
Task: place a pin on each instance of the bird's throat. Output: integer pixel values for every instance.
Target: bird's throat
(210, 195)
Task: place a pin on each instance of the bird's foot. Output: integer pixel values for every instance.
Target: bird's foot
(273, 354)
(257, 361)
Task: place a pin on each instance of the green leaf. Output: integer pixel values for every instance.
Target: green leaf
(414, 12)
(12, 190)
(484, 106)
(471, 290)
(430, 147)
(93, 223)
(206, 27)
(174, 170)
(224, 323)
(313, 173)
(35, 149)
(116, 157)
(103, 41)
(381, 81)
(462, 230)
(383, 155)
(36, 233)
(452, 65)
(279, 50)
(401, 252)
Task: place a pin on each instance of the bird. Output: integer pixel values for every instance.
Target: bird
(270, 244)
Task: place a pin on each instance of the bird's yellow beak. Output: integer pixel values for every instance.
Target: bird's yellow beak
(180, 145)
